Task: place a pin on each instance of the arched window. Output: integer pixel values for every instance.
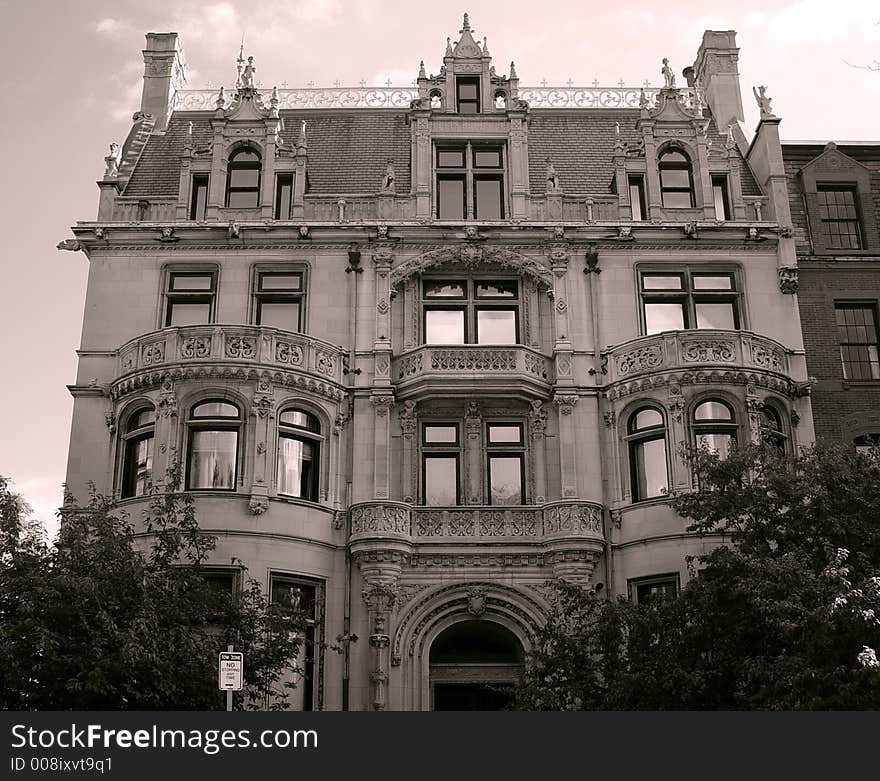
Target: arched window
(436, 99)
(500, 100)
(243, 179)
(137, 459)
(299, 440)
(714, 427)
(647, 454)
(676, 180)
(214, 428)
(771, 428)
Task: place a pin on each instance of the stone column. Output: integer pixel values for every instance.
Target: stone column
(165, 452)
(423, 168)
(473, 454)
(567, 450)
(263, 414)
(164, 74)
(382, 259)
(519, 174)
(382, 402)
(380, 600)
(678, 432)
(562, 349)
(409, 476)
(537, 428)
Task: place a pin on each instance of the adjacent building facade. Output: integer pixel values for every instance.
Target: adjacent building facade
(419, 351)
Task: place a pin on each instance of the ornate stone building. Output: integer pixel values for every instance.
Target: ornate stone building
(421, 350)
(835, 201)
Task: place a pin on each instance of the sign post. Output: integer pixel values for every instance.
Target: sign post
(231, 673)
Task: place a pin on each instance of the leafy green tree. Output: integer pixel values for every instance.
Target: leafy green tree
(106, 619)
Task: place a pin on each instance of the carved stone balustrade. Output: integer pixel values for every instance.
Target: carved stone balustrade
(471, 367)
(132, 209)
(705, 355)
(230, 351)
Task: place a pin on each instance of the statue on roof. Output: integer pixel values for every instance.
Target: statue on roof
(388, 179)
(112, 161)
(247, 74)
(763, 101)
(668, 75)
(552, 178)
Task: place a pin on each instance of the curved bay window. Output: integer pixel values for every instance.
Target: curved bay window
(714, 427)
(771, 428)
(214, 428)
(676, 180)
(299, 438)
(646, 434)
(137, 460)
(243, 179)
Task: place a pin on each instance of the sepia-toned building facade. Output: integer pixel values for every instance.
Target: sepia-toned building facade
(420, 351)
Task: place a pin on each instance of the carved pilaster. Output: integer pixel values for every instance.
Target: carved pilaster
(263, 412)
(473, 447)
(380, 600)
(407, 416)
(382, 403)
(537, 429)
(567, 450)
(677, 433)
(562, 341)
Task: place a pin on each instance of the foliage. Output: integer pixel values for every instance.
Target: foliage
(784, 615)
(107, 619)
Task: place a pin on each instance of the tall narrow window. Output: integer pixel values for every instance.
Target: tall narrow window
(189, 299)
(720, 198)
(676, 182)
(199, 198)
(279, 299)
(506, 463)
(212, 452)
(283, 194)
(243, 180)
(676, 300)
(637, 197)
(858, 337)
(440, 464)
(137, 463)
(839, 217)
(714, 427)
(467, 94)
(299, 440)
(649, 476)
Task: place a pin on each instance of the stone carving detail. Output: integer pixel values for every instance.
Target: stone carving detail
(763, 102)
(325, 363)
(462, 523)
(561, 306)
(572, 518)
(767, 358)
(112, 161)
(536, 364)
(566, 402)
(642, 359)
(410, 366)
(258, 505)
(287, 352)
(708, 351)
(380, 519)
(788, 280)
(537, 418)
(407, 417)
(152, 353)
(473, 360)
(382, 403)
(476, 600)
(241, 347)
(382, 307)
(196, 347)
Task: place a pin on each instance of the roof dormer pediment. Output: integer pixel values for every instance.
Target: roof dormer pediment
(832, 160)
(466, 47)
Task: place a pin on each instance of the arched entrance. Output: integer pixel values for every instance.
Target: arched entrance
(473, 665)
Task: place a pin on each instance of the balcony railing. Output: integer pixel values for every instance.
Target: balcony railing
(129, 209)
(476, 362)
(248, 344)
(695, 349)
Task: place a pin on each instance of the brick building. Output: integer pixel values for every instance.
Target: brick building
(834, 191)
(421, 350)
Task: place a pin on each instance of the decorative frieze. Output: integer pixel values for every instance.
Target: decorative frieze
(708, 351)
(641, 359)
(572, 519)
(380, 519)
(195, 347)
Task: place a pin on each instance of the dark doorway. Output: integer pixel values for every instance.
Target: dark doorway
(471, 696)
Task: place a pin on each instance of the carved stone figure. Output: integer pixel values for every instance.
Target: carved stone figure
(388, 179)
(763, 101)
(552, 178)
(247, 74)
(668, 75)
(112, 161)
(643, 99)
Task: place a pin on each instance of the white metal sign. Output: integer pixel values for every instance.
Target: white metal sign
(231, 670)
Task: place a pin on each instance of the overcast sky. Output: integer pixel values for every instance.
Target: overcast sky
(72, 77)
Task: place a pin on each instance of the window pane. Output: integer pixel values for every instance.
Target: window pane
(635, 199)
(199, 198)
(662, 282)
(441, 480)
(715, 316)
(488, 197)
(712, 410)
(496, 289)
(300, 419)
(138, 467)
(652, 592)
(450, 194)
(505, 434)
(710, 282)
(212, 459)
(215, 409)
(244, 177)
(663, 317)
(245, 156)
(650, 468)
(296, 467)
(444, 326)
(719, 443)
(676, 199)
(487, 158)
(444, 435)
(677, 178)
(282, 198)
(646, 418)
(673, 157)
(280, 282)
(505, 480)
(496, 326)
(180, 313)
(467, 90)
(243, 200)
(279, 315)
(445, 289)
(143, 418)
(450, 158)
(719, 193)
(192, 282)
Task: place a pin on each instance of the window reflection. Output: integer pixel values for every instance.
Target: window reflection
(647, 449)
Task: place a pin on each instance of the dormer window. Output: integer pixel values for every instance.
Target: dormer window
(467, 94)
(676, 180)
(470, 181)
(839, 216)
(243, 180)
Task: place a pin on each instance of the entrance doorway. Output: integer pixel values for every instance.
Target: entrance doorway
(474, 665)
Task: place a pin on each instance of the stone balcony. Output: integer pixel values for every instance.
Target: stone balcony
(230, 351)
(471, 368)
(708, 355)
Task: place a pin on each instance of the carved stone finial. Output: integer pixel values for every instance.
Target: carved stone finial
(449, 47)
(485, 47)
(221, 98)
(422, 74)
(465, 25)
(763, 102)
(301, 141)
(273, 101)
(513, 70)
(668, 74)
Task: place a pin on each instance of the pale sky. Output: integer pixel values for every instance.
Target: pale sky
(72, 78)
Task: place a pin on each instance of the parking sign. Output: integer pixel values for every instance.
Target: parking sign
(231, 670)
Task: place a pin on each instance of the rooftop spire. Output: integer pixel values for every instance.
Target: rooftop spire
(465, 25)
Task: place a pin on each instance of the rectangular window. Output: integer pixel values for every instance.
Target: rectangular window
(304, 596)
(199, 198)
(470, 182)
(467, 94)
(189, 299)
(505, 459)
(839, 217)
(283, 194)
(279, 299)
(720, 198)
(474, 311)
(689, 299)
(637, 197)
(858, 337)
(651, 589)
(440, 464)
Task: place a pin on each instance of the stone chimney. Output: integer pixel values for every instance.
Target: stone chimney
(716, 70)
(164, 74)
